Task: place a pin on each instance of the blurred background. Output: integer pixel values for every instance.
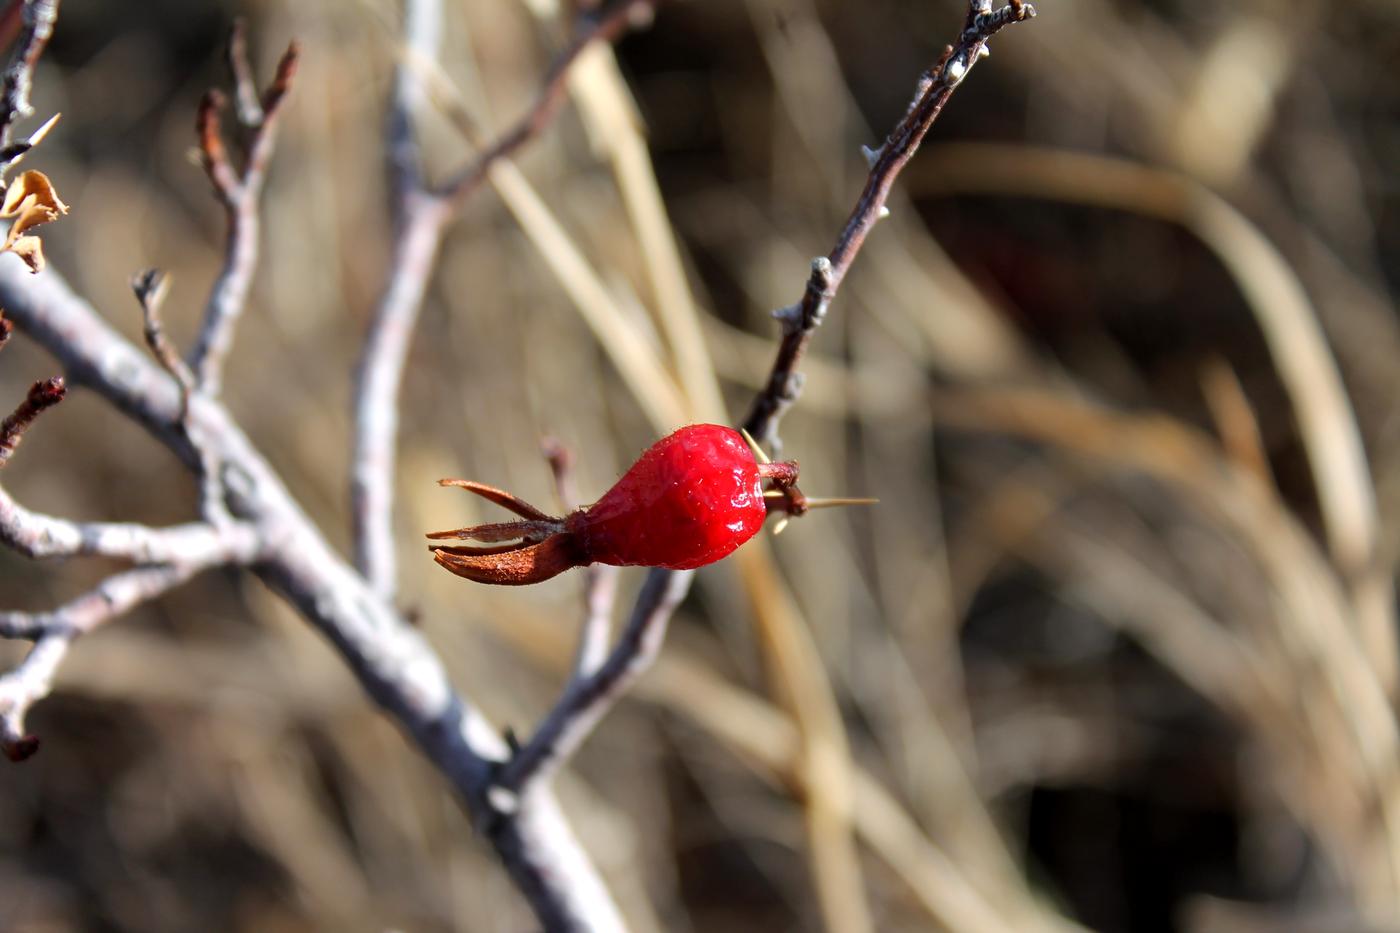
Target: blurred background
(1118, 645)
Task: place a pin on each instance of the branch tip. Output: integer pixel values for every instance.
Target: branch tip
(931, 92)
(250, 111)
(20, 749)
(282, 80)
(151, 286)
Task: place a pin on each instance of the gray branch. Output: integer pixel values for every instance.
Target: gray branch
(53, 633)
(392, 662)
(38, 18)
(40, 536)
(239, 194)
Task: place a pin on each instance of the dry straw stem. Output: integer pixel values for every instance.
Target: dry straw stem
(1285, 316)
(610, 115)
(769, 741)
(1253, 683)
(1316, 625)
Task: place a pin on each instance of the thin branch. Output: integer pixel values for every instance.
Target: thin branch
(388, 656)
(175, 554)
(239, 194)
(40, 536)
(590, 696)
(53, 634)
(419, 220)
(800, 321)
(245, 87)
(151, 287)
(39, 17)
(608, 27)
(42, 396)
(588, 699)
(599, 581)
(377, 382)
(422, 213)
(422, 32)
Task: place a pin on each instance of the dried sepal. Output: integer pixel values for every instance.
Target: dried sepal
(514, 565)
(31, 200)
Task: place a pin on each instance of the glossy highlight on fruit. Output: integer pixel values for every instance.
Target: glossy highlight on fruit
(691, 499)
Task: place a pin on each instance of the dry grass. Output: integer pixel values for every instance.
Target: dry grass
(1118, 647)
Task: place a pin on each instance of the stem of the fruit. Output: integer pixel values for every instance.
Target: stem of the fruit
(783, 473)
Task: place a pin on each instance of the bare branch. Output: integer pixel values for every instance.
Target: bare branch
(588, 699)
(151, 287)
(378, 378)
(213, 155)
(801, 320)
(600, 580)
(607, 27)
(54, 633)
(42, 396)
(387, 655)
(239, 193)
(245, 87)
(39, 17)
(421, 215)
(40, 536)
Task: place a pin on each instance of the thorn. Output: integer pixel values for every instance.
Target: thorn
(872, 155)
(781, 524)
(838, 501)
(882, 213)
(38, 135)
(758, 453)
(984, 52)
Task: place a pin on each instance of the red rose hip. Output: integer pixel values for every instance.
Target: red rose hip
(692, 498)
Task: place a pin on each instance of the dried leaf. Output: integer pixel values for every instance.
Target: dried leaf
(31, 201)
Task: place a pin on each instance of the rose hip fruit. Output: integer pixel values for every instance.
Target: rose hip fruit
(691, 498)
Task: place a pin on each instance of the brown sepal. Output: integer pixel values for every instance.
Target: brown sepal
(514, 566)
